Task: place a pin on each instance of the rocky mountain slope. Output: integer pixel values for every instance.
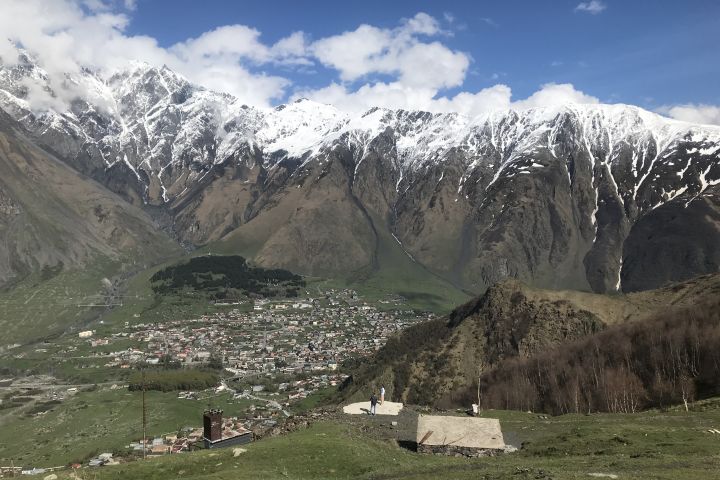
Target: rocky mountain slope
(52, 217)
(436, 361)
(595, 197)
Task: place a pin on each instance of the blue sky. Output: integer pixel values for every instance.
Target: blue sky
(464, 56)
(648, 53)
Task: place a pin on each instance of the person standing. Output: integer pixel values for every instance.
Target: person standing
(373, 403)
(382, 394)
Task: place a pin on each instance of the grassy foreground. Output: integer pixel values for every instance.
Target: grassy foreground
(650, 445)
(98, 421)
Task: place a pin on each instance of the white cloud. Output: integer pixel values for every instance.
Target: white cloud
(695, 113)
(405, 67)
(397, 95)
(554, 94)
(292, 49)
(355, 53)
(592, 7)
(400, 52)
(229, 41)
(66, 35)
(421, 23)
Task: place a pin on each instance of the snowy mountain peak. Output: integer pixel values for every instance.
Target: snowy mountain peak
(168, 132)
(530, 193)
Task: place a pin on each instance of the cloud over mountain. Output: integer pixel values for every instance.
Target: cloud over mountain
(408, 66)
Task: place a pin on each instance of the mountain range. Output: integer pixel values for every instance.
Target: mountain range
(602, 198)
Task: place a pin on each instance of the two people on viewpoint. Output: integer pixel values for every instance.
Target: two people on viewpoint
(374, 400)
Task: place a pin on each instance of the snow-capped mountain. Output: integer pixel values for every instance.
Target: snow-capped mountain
(560, 196)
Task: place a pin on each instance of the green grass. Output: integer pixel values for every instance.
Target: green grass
(99, 421)
(321, 397)
(141, 305)
(670, 445)
(664, 445)
(403, 276)
(400, 275)
(43, 306)
(39, 307)
(76, 367)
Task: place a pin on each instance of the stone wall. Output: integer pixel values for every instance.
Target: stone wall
(458, 451)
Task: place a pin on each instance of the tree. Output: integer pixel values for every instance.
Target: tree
(215, 362)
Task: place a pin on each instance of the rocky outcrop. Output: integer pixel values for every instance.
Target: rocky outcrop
(431, 362)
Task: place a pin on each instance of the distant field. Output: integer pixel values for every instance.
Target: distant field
(659, 445)
(39, 307)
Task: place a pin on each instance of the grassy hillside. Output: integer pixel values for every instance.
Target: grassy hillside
(97, 421)
(396, 273)
(659, 445)
(51, 302)
(39, 307)
(437, 362)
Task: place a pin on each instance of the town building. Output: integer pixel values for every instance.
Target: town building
(217, 435)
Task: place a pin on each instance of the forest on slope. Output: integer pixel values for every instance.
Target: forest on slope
(556, 351)
(670, 358)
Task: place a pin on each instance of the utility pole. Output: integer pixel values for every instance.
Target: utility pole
(144, 416)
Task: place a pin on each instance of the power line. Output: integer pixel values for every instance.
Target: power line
(144, 417)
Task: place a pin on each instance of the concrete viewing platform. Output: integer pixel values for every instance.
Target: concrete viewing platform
(363, 408)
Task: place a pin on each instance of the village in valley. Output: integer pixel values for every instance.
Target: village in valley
(288, 337)
(267, 357)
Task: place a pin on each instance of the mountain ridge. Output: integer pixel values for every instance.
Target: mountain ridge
(549, 195)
